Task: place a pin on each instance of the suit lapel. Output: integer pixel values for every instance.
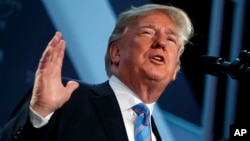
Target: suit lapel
(155, 130)
(109, 112)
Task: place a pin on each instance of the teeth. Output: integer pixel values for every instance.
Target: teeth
(158, 58)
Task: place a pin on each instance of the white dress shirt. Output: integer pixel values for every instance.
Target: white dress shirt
(126, 99)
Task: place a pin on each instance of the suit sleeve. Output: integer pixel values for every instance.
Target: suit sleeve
(19, 128)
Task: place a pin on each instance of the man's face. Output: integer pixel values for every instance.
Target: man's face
(149, 50)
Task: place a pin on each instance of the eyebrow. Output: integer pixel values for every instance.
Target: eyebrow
(169, 30)
(147, 26)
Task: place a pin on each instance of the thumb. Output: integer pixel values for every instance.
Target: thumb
(71, 86)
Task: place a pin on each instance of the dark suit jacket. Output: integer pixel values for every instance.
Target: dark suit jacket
(91, 114)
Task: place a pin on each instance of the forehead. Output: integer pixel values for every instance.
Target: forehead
(154, 19)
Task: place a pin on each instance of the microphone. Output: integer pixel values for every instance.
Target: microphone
(237, 69)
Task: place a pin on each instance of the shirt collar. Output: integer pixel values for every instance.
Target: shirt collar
(125, 96)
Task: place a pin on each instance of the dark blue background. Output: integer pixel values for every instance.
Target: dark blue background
(26, 28)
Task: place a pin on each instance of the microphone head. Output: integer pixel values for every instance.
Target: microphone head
(211, 65)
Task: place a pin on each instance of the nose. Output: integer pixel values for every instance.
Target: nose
(160, 42)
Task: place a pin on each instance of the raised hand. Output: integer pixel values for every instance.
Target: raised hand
(49, 93)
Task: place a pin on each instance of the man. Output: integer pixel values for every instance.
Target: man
(142, 58)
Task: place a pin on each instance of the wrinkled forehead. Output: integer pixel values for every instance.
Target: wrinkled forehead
(154, 20)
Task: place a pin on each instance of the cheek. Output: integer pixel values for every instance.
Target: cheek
(135, 51)
(173, 52)
(173, 58)
(127, 57)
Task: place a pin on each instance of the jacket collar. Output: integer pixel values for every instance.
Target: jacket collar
(109, 111)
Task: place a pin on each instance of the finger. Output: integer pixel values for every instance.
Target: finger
(71, 86)
(57, 37)
(54, 45)
(46, 57)
(60, 52)
(57, 52)
(50, 50)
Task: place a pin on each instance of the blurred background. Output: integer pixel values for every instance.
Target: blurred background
(195, 107)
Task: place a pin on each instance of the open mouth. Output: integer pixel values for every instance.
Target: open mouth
(158, 58)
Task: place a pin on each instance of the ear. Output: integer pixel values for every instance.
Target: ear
(114, 53)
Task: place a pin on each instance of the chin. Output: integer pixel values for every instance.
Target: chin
(155, 76)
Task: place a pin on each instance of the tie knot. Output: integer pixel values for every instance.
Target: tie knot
(142, 110)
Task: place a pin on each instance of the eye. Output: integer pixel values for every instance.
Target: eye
(148, 32)
(145, 32)
(172, 39)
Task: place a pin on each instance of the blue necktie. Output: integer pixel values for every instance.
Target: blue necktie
(142, 123)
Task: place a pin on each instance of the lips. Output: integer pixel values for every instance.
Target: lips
(157, 58)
